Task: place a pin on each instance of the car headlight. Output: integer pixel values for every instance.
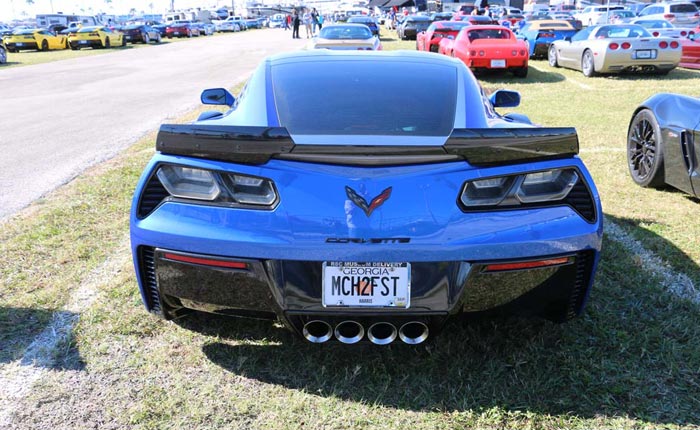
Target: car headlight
(519, 190)
(234, 189)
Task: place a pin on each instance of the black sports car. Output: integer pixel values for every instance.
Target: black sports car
(663, 143)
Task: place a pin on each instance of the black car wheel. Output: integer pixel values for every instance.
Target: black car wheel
(123, 41)
(107, 43)
(645, 156)
(45, 45)
(552, 56)
(434, 48)
(588, 64)
(3, 55)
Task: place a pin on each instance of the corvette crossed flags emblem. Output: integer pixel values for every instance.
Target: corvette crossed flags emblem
(362, 203)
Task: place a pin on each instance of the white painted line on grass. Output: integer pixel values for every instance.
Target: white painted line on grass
(678, 284)
(18, 377)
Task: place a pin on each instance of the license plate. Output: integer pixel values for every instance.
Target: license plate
(19, 44)
(128, 37)
(498, 63)
(176, 33)
(83, 42)
(643, 53)
(366, 284)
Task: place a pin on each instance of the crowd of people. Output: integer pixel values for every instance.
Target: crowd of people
(309, 18)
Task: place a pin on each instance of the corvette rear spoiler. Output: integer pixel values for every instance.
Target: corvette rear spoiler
(257, 145)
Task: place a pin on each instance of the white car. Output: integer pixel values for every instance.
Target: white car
(591, 14)
(683, 14)
(662, 28)
(226, 25)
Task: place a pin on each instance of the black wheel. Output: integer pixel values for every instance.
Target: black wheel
(3, 56)
(645, 156)
(552, 56)
(588, 64)
(520, 72)
(434, 48)
(107, 43)
(123, 41)
(45, 45)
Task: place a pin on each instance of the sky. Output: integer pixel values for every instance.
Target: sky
(10, 9)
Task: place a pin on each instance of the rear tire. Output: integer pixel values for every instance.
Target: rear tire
(645, 156)
(552, 56)
(107, 43)
(588, 64)
(123, 41)
(44, 45)
(520, 72)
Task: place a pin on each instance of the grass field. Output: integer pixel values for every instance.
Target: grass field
(630, 361)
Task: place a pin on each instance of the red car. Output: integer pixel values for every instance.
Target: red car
(490, 47)
(690, 54)
(429, 40)
(181, 29)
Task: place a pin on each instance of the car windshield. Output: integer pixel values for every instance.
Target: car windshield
(343, 32)
(683, 8)
(359, 98)
(132, 27)
(615, 32)
(488, 34)
(25, 31)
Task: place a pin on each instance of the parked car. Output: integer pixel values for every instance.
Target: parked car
(590, 15)
(540, 34)
(96, 37)
(683, 14)
(412, 25)
(34, 38)
(616, 49)
(491, 47)
(441, 16)
(226, 26)
(323, 202)
(141, 33)
(661, 149)
(619, 17)
(662, 28)
(346, 36)
(182, 29)
(370, 22)
(690, 52)
(429, 40)
(3, 54)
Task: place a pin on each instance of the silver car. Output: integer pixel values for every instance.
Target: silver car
(683, 14)
(662, 28)
(616, 49)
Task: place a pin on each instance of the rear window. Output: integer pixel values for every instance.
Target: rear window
(683, 8)
(88, 29)
(364, 98)
(344, 33)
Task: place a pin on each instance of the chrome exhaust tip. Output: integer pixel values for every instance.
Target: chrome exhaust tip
(413, 332)
(349, 332)
(317, 331)
(382, 333)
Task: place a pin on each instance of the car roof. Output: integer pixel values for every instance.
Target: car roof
(325, 55)
(550, 24)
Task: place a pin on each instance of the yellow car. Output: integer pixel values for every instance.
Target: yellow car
(96, 37)
(35, 38)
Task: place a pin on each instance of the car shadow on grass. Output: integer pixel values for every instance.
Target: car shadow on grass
(24, 337)
(633, 353)
(534, 76)
(675, 74)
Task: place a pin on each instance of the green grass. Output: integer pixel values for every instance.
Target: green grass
(631, 361)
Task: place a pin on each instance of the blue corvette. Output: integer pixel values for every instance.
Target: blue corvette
(353, 221)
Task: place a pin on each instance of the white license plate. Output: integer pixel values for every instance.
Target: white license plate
(83, 42)
(498, 63)
(128, 37)
(176, 33)
(366, 284)
(19, 44)
(643, 53)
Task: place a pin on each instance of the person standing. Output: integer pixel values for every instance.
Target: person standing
(307, 23)
(295, 24)
(314, 20)
(320, 22)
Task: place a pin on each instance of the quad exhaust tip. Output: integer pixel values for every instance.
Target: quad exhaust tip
(413, 332)
(349, 332)
(382, 333)
(317, 331)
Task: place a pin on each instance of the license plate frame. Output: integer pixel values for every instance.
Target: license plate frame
(498, 64)
(341, 285)
(644, 54)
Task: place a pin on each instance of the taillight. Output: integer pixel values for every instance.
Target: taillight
(669, 16)
(545, 35)
(674, 45)
(655, 34)
(663, 44)
(683, 33)
(522, 52)
(472, 53)
(626, 45)
(613, 46)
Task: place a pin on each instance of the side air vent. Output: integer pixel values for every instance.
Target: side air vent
(584, 261)
(148, 277)
(153, 194)
(581, 200)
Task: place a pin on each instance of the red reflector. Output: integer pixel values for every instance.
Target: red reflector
(674, 44)
(472, 53)
(669, 16)
(207, 261)
(663, 45)
(626, 45)
(526, 264)
(655, 34)
(683, 33)
(613, 46)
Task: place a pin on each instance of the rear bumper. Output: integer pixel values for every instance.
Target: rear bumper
(23, 46)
